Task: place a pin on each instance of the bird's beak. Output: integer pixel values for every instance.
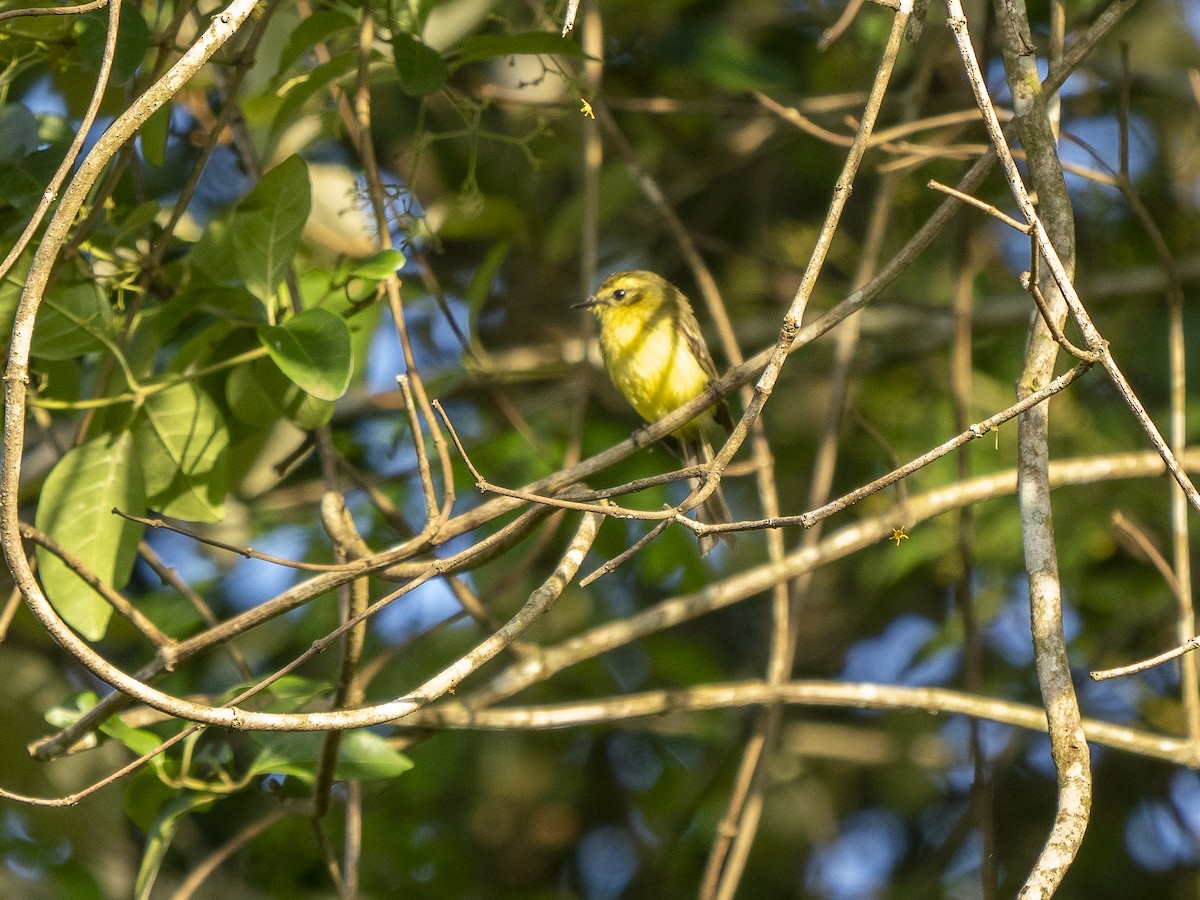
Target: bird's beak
(587, 304)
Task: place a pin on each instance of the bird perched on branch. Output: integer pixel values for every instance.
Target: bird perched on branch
(657, 358)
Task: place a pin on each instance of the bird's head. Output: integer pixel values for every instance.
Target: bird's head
(625, 290)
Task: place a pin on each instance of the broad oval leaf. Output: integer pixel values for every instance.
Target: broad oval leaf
(72, 320)
(75, 509)
(259, 394)
(366, 756)
(421, 68)
(312, 349)
(268, 225)
(181, 440)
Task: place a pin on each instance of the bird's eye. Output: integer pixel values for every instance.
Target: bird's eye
(619, 294)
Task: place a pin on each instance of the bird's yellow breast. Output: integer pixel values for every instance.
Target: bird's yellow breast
(650, 362)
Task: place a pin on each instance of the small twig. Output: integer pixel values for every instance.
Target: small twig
(626, 554)
(980, 205)
(10, 611)
(650, 705)
(205, 868)
(168, 576)
(89, 117)
(569, 18)
(162, 642)
(917, 23)
(245, 552)
(54, 11)
(432, 511)
(838, 28)
(1029, 281)
(603, 509)
(348, 544)
(1139, 541)
(808, 519)
(1134, 668)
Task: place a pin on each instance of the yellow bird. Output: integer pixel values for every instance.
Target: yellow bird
(657, 358)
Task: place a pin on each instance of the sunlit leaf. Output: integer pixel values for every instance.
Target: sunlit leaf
(75, 508)
(379, 266)
(268, 224)
(182, 440)
(313, 350)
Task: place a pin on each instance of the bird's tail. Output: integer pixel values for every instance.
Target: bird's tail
(713, 511)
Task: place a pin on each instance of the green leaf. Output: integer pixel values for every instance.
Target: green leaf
(73, 318)
(479, 47)
(18, 132)
(23, 182)
(147, 793)
(133, 41)
(259, 393)
(208, 263)
(480, 288)
(181, 445)
(314, 82)
(58, 379)
(313, 350)
(75, 509)
(421, 68)
(154, 135)
(162, 832)
(72, 710)
(379, 266)
(363, 756)
(139, 740)
(10, 291)
(267, 226)
(322, 25)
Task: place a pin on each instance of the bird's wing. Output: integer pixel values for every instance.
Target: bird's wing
(694, 338)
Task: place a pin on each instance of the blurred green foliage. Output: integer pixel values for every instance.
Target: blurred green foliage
(183, 371)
